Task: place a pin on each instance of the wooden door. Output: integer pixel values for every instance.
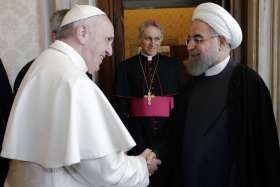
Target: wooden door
(114, 10)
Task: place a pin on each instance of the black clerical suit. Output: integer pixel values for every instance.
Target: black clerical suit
(21, 75)
(163, 76)
(226, 136)
(5, 105)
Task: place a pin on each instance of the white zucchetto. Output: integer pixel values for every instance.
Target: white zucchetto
(221, 21)
(79, 12)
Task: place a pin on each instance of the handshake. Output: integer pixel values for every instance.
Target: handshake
(151, 159)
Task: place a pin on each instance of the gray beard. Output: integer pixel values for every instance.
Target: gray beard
(196, 67)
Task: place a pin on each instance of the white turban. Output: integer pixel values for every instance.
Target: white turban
(79, 12)
(221, 21)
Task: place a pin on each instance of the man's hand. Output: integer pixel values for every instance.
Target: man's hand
(152, 161)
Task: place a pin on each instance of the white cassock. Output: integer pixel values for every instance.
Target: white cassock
(63, 132)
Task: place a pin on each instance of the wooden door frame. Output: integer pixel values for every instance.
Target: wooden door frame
(114, 10)
(239, 8)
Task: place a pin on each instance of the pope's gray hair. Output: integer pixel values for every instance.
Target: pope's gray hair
(56, 19)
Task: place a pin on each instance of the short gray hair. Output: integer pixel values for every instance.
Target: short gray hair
(56, 19)
(149, 23)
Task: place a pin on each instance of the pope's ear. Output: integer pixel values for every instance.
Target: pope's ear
(81, 33)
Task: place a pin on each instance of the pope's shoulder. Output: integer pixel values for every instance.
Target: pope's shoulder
(57, 66)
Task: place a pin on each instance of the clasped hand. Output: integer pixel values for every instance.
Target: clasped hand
(151, 159)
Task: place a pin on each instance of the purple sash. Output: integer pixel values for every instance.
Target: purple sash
(159, 107)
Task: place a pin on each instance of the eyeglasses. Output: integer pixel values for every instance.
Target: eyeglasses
(198, 39)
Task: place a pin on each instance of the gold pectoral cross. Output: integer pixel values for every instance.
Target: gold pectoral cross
(149, 97)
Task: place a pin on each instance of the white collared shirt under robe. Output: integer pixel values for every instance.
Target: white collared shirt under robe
(217, 68)
(62, 130)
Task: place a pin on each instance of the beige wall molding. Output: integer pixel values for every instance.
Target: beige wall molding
(61, 4)
(275, 76)
(263, 53)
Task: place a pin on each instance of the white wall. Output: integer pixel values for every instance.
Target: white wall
(20, 34)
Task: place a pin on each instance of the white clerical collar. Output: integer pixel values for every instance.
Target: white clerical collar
(149, 57)
(218, 68)
(75, 57)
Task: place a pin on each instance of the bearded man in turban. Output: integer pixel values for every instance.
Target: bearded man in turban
(222, 131)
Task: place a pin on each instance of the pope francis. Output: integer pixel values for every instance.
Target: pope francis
(62, 131)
